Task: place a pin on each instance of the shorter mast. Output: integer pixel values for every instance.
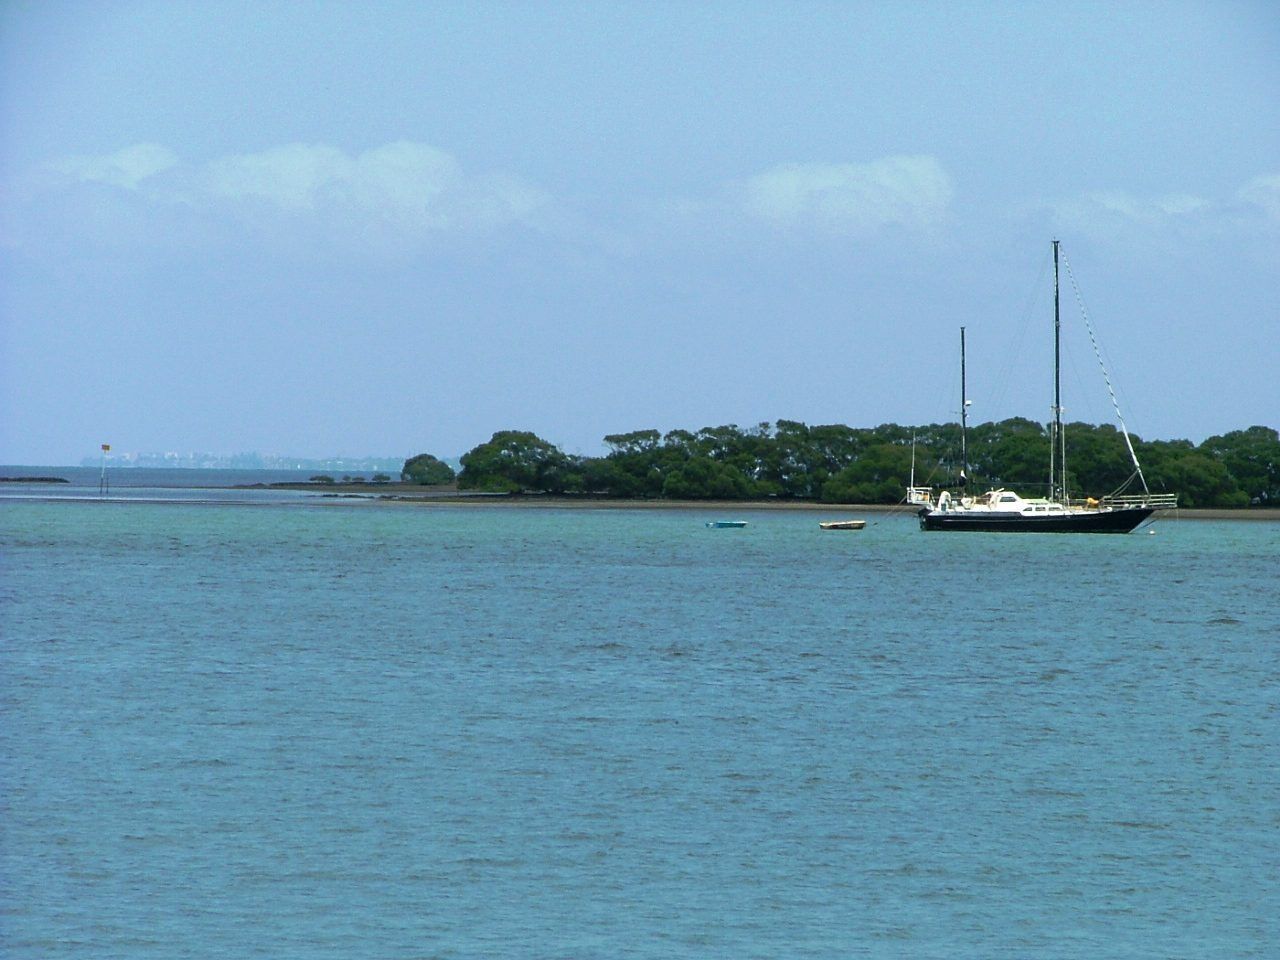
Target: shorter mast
(911, 484)
(964, 419)
(1057, 464)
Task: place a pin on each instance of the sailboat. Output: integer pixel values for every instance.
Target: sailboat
(1002, 510)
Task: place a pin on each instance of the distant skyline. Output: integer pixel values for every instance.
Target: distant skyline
(351, 229)
(244, 460)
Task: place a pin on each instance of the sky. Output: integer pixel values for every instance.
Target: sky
(384, 228)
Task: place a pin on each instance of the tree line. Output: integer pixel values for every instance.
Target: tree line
(839, 464)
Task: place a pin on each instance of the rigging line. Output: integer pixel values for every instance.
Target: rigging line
(1106, 377)
(996, 394)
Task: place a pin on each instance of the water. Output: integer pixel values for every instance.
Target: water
(155, 484)
(126, 478)
(337, 731)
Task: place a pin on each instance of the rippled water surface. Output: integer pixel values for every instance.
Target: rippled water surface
(388, 731)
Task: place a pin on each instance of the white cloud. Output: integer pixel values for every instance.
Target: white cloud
(399, 190)
(290, 177)
(404, 176)
(1264, 193)
(1128, 218)
(403, 186)
(397, 179)
(126, 168)
(1169, 225)
(910, 192)
(1125, 207)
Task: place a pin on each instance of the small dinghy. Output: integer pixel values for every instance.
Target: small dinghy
(726, 524)
(842, 524)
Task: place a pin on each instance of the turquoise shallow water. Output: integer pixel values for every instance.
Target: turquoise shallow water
(394, 731)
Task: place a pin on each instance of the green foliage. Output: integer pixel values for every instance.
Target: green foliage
(322, 478)
(701, 478)
(1198, 479)
(515, 461)
(426, 470)
(880, 475)
(839, 464)
(1012, 452)
(638, 442)
(1252, 458)
(1097, 459)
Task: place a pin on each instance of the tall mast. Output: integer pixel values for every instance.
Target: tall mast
(964, 418)
(1057, 461)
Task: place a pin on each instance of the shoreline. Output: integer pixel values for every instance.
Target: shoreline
(408, 494)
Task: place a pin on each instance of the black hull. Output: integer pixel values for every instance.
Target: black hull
(1107, 521)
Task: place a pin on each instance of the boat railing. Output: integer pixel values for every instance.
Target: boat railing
(919, 496)
(1156, 501)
